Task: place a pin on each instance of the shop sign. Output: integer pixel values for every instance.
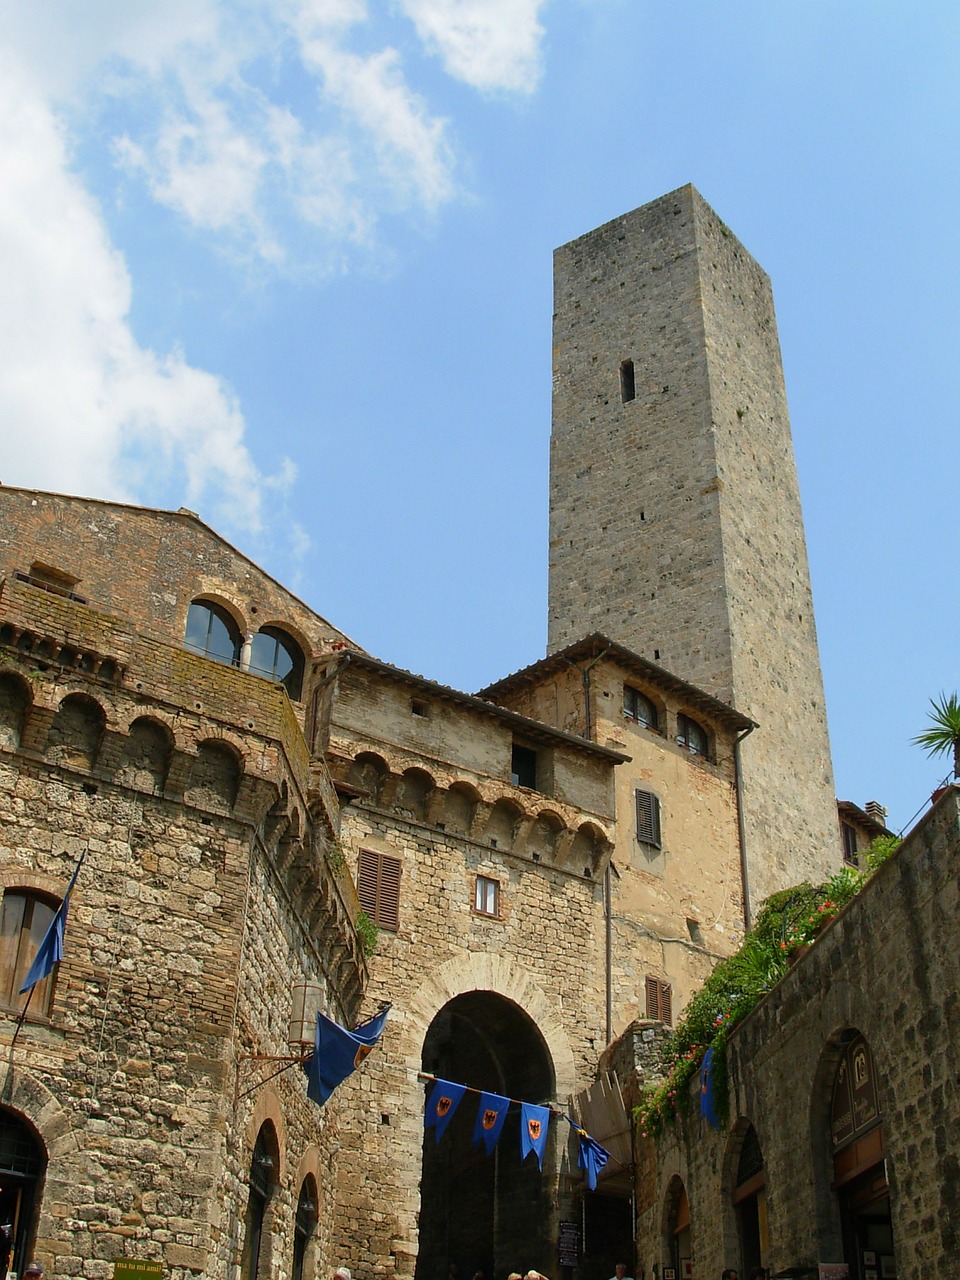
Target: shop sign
(136, 1269)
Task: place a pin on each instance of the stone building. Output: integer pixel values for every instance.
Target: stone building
(137, 1117)
(844, 1100)
(552, 864)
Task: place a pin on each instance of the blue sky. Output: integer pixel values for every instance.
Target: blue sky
(288, 263)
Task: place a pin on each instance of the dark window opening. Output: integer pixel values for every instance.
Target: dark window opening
(658, 1000)
(523, 767)
(276, 656)
(213, 633)
(648, 818)
(419, 708)
(692, 736)
(849, 843)
(638, 707)
(305, 1226)
(378, 888)
(628, 385)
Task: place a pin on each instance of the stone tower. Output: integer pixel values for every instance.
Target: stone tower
(675, 521)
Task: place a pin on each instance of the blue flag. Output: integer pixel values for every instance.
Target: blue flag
(592, 1157)
(50, 951)
(337, 1053)
(490, 1117)
(708, 1101)
(534, 1122)
(442, 1103)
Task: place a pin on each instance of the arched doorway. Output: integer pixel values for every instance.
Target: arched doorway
(676, 1222)
(749, 1202)
(23, 1162)
(478, 1212)
(859, 1165)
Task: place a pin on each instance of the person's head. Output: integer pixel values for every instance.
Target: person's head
(35, 1270)
(514, 1275)
(730, 1273)
(342, 1273)
(620, 1270)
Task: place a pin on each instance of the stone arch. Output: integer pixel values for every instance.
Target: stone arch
(677, 1234)
(588, 847)
(76, 732)
(146, 755)
(498, 974)
(16, 697)
(214, 776)
(502, 824)
(848, 1168)
(743, 1192)
(462, 974)
(305, 1224)
(544, 835)
(498, 1210)
(412, 793)
(369, 773)
(261, 1234)
(36, 1108)
(460, 807)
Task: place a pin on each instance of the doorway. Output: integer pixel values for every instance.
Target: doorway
(493, 1213)
(23, 1163)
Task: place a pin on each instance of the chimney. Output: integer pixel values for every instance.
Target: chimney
(875, 810)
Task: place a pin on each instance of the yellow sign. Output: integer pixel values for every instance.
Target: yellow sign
(135, 1269)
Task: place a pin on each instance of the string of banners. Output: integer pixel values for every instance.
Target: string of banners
(445, 1097)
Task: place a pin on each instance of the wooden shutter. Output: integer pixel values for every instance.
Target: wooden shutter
(658, 1000)
(378, 888)
(648, 818)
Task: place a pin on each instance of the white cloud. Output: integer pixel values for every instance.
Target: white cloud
(84, 407)
(281, 130)
(489, 44)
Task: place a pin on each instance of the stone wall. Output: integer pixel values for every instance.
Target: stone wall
(525, 985)
(886, 968)
(205, 895)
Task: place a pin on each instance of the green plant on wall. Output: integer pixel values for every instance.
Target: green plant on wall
(367, 932)
(788, 919)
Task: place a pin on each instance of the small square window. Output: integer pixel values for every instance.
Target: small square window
(486, 897)
(419, 707)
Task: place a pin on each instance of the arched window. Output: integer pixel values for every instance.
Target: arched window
(692, 735)
(637, 706)
(304, 1227)
(276, 656)
(24, 920)
(750, 1202)
(212, 632)
(263, 1181)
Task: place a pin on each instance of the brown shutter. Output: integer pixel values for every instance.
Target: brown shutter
(648, 818)
(378, 888)
(658, 1000)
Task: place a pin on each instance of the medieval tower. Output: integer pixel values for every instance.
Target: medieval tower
(675, 521)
